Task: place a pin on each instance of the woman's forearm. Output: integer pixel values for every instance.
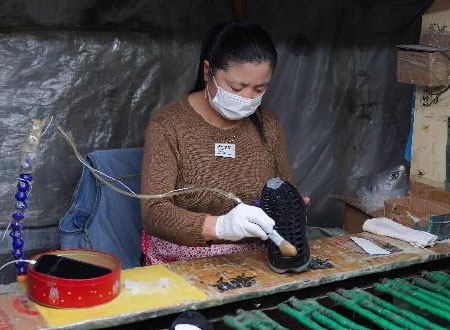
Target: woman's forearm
(209, 228)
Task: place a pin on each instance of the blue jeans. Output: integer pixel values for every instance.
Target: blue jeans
(101, 219)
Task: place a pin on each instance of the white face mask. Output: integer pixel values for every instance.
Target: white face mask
(232, 106)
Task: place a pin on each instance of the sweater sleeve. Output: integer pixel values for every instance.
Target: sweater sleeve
(283, 165)
(161, 217)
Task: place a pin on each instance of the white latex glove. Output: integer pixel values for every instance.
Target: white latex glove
(244, 221)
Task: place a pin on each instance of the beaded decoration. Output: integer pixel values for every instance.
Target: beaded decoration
(28, 162)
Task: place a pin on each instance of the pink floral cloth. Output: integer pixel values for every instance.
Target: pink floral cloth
(159, 251)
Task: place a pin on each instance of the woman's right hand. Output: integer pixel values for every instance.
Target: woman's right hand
(244, 221)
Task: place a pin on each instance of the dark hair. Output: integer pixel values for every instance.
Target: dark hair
(236, 42)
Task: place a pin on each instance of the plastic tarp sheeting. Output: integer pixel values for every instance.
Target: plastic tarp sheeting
(101, 67)
(345, 116)
(100, 85)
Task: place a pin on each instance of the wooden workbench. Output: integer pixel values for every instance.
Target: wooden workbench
(205, 282)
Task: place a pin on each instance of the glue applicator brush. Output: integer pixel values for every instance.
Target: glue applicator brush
(286, 248)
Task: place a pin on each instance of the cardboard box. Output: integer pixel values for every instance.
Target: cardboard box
(420, 214)
(397, 209)
(354, 214)
(424, 191)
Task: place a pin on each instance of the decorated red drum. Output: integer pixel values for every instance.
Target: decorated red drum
(60, 292)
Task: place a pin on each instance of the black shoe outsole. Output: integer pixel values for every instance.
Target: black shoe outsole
(282, 202)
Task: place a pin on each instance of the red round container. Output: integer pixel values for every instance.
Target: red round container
(75, 293)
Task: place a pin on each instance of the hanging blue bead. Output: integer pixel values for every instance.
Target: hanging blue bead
(27, 163)
(18, 215)
(17, 253)
(15, 234)
(23, 186)
(21, 205)
(26, 176)
(21, 196)
(21, 263)
(22, 270)
(30, 159)
(25, 166)
(16, 225)
(18, 243)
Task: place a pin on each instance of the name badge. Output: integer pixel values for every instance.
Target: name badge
(226, 150)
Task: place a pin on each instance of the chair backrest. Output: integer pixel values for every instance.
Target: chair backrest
(102, 219)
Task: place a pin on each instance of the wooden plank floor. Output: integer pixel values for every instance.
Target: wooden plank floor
(251, 268)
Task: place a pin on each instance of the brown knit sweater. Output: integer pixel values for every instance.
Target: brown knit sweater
(179, 152)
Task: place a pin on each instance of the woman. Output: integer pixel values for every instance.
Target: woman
(218, 136)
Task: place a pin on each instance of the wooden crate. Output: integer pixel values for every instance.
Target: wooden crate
(438, 40)
(423, 68)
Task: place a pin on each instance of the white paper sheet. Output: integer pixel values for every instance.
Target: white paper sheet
(369, 246)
